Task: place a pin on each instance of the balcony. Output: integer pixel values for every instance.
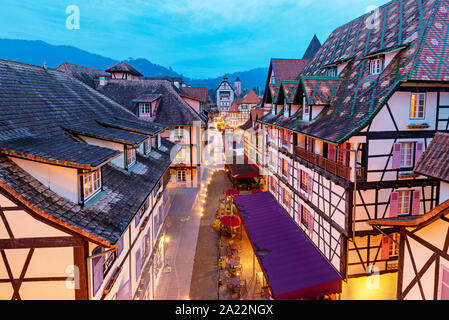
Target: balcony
(329, 165)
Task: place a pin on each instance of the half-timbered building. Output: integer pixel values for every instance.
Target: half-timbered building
(82, 191)
(424, 240)
(344, 136)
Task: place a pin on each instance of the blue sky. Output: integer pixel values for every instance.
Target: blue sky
(198, 38)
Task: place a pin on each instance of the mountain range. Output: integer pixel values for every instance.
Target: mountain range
(37, 52)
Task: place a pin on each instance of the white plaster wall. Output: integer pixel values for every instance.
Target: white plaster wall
(61, 180)
(120, 160)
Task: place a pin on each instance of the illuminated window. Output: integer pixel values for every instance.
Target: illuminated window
(181, 156)
(286, 196)
(394, 248)
(130, 157)
(404, 203)
(273, 184)
(407, 154)
(284, 167)
(376, 66)
(304, 180)
(305, 216)
(91, 184)
(417, 106)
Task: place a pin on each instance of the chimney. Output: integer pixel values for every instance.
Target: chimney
(103, 81)
(45, 66)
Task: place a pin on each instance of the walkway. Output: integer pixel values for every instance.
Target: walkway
(205, 270)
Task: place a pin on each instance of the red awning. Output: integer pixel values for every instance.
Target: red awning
(244, 171)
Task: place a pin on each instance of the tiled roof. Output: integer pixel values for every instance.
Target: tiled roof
(435, 161)
(402, 24)
(95, 130)
(172, 110)
(319, 90)
(251, 98)
(312, 49)
(235, 105)
(103, 220)
(84, 74)
(288, 69)
(124, 67)
(57, 150)
(34, 106)
(134, 125)
(199, 93)
(147, 98)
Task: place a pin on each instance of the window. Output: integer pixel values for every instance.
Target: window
(286, 110)
(404, 203)
(284, 167)
(444, 283)
(304, 181)
(273, 109)
(305, 217)
(407, 154)
(130, 157)
(286, 196)
(343, 155)
(181, 156)
(145, 109)
(181, 175)
(91, 184)
(273, 184)
(147, 146)
(306, 111)
(332, 72)
(394, 248)
(178, 133)
(417, 106)
(376, 66)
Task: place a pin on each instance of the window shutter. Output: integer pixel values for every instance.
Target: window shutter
(419, 151)
(298, 213)
(289, 168)
(416, 202)
(290, 202)
(397, 148)
(332, 152)
(444, 283)
(394, 204)
(97, 270)
(120, 246)
(138, 218)
(385, 253)
(311, 224)
(138, 263)
(310, 186)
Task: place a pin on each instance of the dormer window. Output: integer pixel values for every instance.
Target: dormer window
(130, 158)
(147, 146)
(286, 110)
(332, 72)
(306, 112)
(145, 109)
(91, 184)
(376, 66)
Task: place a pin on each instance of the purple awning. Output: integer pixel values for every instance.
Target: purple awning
(293, 266)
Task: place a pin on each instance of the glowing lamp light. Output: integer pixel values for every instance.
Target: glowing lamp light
(167, 239)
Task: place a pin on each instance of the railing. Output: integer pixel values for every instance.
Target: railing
(328, 165)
